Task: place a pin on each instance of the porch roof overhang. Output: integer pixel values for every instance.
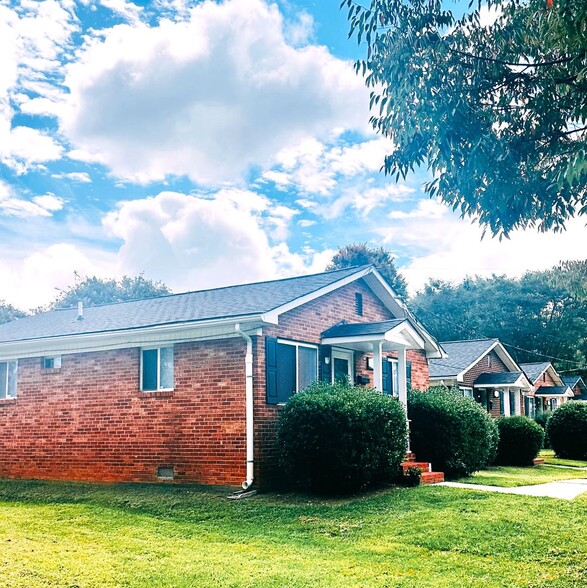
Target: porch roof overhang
(554, 392)
(393, 334)
(503, 380)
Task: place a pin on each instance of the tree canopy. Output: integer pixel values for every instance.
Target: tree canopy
(539, 317)
(93, 291)
(382, 259)
(494, 102)
(9, 312)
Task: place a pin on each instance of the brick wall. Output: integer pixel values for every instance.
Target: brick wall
(89, 421)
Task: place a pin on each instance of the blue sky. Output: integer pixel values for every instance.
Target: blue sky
(207, 144)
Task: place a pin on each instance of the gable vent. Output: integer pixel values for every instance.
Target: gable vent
(359, 303)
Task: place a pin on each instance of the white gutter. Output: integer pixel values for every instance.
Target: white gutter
(249, 417)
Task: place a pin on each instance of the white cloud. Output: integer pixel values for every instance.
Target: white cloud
(33, 36)
(206, 97)
(12, 205)
(451, 248)
(201, 241)
(36, 278)
(80, 177)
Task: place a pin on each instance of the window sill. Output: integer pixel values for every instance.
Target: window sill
(157, 393)
(7, 401)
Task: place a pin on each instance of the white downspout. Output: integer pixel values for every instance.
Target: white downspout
(250, 428)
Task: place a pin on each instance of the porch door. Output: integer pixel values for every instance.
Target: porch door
(342, 366)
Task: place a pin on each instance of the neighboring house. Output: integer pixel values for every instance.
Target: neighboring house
(188, 387)
(482, 369)
(549, 389)
(577, 385)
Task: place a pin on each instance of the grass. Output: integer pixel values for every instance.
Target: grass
(510, 477)
(84, 535)
(550, 458)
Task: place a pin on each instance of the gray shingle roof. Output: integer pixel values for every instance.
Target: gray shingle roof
(232, 301)
(359, 329)
(572, 381)
(461, 354)
(534, 370)
(493, 379)
(551, 390)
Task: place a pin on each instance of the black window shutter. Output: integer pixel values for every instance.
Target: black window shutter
(501, 404)
(325, 368)
(526, 406)
(271, 370)
(286, 372)
(386, 379)
(409, 374)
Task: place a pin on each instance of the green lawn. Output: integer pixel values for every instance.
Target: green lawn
(510, 477)
(549, 458)
(57, 534)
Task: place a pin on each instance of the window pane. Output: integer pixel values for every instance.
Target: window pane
(3, 372)
(150, 369)
(12, 377)
(166, 367)
(307, 366)
(286, 371)
(341, 370)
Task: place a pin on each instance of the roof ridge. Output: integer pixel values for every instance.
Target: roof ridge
(174, 294)
(470, 340)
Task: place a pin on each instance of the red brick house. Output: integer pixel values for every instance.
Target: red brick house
(577, 385)
(188, 387)
(482, 369)
(549, 389)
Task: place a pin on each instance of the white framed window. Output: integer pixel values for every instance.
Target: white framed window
(52, 362)
(298, 363)
(467, 391)
(8, 378)
(156, 369)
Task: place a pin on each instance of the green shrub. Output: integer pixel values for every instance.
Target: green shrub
(542, 419)
(339, 438)
(567, 430)
(453, 433)
(520, 441)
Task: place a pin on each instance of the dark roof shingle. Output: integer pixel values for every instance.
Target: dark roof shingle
(231, 301)
(534, 370)
(551, 390)
(358, 329)
(461, 354)
(494, 379)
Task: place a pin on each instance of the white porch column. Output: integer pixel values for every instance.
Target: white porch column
(377, 366)
(402, 376)
(517, 401)
(506, 402)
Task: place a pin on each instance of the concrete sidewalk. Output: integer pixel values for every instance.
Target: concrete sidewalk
(565, 489)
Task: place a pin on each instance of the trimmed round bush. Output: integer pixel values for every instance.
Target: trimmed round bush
(339, 438)
(542, 419)
(455, 434)
(520, 441)
(567, 430)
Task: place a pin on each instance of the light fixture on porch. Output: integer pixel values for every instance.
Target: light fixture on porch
(495, 394)
(327, 360)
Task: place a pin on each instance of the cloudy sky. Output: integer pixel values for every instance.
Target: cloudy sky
(206, 144)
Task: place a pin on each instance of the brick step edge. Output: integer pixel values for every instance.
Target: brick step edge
(538, 461)
(423, 466)
(410, 456)
(431, 478)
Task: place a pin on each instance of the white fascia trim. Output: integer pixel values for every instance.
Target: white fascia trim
(395, 335)
(400, 310)
(461, 374)
(141, 337)
(522, 383)
(272, 317)
(507, 358)
(554, 375)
